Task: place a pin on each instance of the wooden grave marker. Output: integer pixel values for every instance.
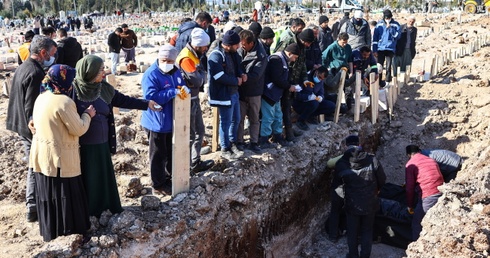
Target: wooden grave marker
(180, 146)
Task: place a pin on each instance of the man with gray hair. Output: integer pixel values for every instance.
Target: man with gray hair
(405, 47)
(25, 89)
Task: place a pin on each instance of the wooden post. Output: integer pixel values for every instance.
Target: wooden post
(374, 97)
(181, 152)
(111, 79)
(357, 96)
(340, 96)
(396, 89)
(215, 124)
(389, 96)
(407, 74)
(321, 118)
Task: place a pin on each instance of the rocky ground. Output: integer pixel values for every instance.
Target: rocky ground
(253, 207)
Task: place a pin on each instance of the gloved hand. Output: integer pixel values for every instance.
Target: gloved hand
(319, 98)
(297, 88)
(410, 210)
(308, 84)
(182, 92)
(312, 97)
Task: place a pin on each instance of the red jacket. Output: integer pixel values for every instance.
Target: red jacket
(422, 177)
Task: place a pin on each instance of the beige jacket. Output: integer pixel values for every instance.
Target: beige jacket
(55, 143)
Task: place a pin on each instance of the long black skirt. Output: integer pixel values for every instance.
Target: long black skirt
(62, 206)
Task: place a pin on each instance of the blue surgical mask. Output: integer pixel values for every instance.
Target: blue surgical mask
(316, 80)
(49, 62)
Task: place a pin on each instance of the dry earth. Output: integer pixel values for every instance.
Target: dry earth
(449, 111)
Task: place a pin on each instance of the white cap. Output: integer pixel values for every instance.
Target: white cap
(199, 38)
(229, 26)
(358, 14)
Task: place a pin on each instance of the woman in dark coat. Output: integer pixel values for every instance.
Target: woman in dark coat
(99, 142)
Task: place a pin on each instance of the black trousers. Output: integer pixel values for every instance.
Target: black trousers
(360, 225)
(388, 56)
(286, 103)
(160, 157)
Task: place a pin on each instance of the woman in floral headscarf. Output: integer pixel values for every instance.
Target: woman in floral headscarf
(60, 195)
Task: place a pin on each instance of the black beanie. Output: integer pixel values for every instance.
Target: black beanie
(267, 33)
(352, 140)
(307, 35)
(231, 38)
(387, 14)
(293, 48)
(322, 19)
(255, 27)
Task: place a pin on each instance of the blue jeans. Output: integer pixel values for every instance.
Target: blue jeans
(313, 108)
(271, 119)
(422, 207)
(115, 62)
(228, 122)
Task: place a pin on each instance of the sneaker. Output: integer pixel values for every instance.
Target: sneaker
(230, 155)
(235, 149)
(202, 166)
(31, 216)
(302, 125)
(255, 148)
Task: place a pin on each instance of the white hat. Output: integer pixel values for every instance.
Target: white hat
(229, 26)
(168, 52)
(358, 14)
(199, 38)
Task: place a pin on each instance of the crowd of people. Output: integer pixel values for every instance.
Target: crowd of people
(251, 74)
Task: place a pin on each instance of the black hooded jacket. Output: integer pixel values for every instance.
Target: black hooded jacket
(69, 51)
(363, 177)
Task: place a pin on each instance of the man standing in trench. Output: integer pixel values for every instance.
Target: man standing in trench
(362, 176)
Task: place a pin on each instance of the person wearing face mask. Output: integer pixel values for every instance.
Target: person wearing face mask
(194, 75)
(385, 37)
(225, 76)
(358, 30)
(405, 47)
(99, 142)
(310, 101)
(160, 84)
(25, 89)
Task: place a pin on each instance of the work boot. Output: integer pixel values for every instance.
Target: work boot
(264, 143)
(255, 148)
(297, 132)
(200, 166)
(278, 138)
(290, 134)
(302, 125)
(240, 146)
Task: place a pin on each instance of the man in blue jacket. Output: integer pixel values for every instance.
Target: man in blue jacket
(276, 82)
(159, 83)
(310, 101)
(203, 20)
(386, 34)
(225, 76)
